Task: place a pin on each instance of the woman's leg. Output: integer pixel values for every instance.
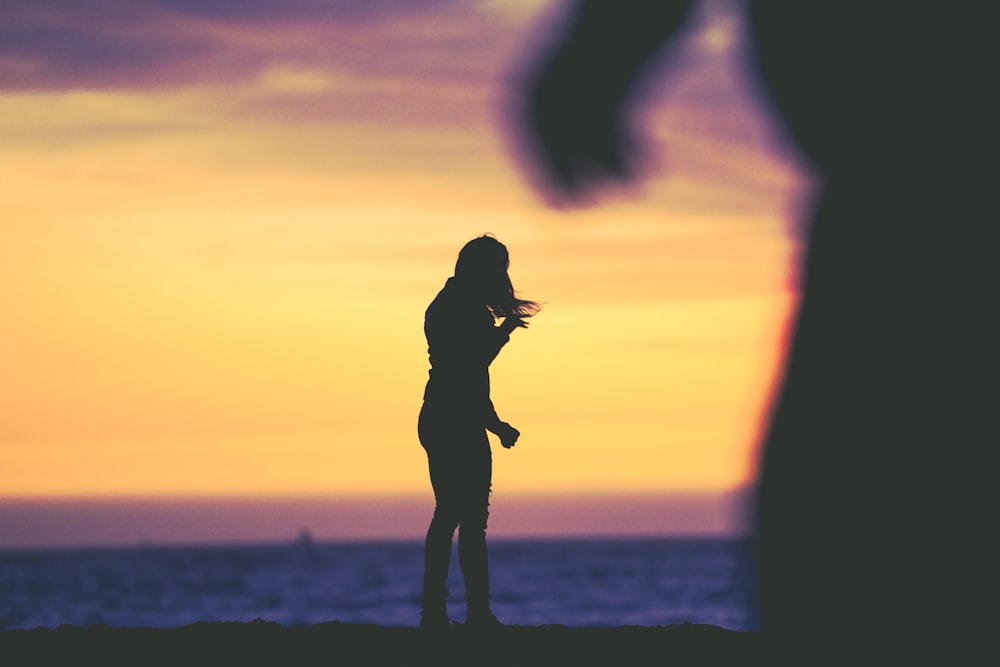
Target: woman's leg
(473, 555)
(437, 436)
(437, 560)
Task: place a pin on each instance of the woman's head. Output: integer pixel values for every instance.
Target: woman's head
(482, 266)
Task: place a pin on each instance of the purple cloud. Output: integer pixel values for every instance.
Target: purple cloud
(63, 44)
(268, 11)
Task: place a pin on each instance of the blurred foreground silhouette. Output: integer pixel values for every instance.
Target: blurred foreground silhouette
(872, 512)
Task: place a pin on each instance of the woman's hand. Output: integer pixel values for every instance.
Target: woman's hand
(510, 323)
(508, 435)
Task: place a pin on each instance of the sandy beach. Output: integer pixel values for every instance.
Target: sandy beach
(335, 643)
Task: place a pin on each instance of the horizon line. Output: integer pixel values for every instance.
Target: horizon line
(136, 520)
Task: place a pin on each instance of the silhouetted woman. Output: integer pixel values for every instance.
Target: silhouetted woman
(463, 338)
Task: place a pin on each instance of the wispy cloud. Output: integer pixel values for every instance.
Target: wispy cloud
(51, 44)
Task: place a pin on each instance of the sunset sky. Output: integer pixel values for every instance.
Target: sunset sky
(221, 222)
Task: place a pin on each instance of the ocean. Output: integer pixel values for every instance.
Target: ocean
(572, 582)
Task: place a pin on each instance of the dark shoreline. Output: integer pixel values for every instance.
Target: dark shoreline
(336, 643)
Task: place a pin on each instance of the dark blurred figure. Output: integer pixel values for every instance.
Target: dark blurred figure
(872, 511)
(463, 339)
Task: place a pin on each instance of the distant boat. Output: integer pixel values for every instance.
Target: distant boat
(305, 537)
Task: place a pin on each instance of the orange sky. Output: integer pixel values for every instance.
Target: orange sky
(221, 225)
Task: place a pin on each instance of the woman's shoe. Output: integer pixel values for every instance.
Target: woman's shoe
(434, 620)
(482, 618)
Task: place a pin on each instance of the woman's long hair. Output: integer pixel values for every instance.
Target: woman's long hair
(482, 265)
